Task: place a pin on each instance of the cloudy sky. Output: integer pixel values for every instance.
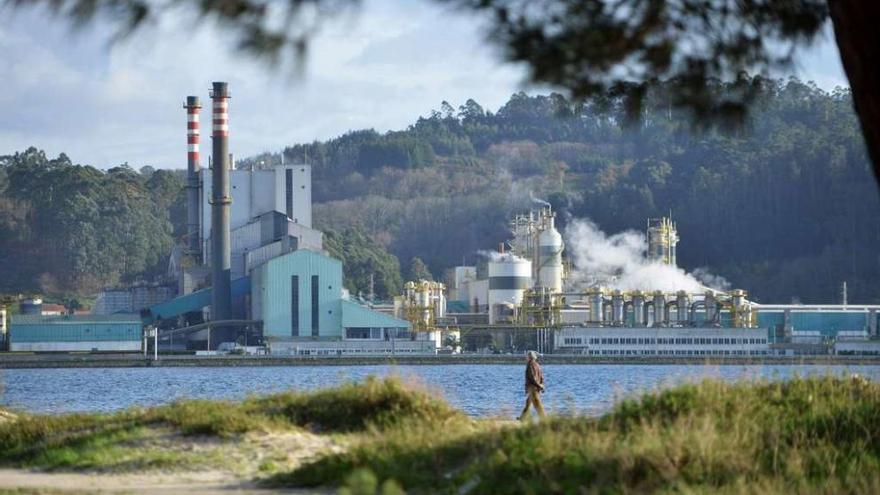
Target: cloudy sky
(380, 67)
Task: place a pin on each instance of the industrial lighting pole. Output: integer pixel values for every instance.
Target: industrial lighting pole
(152, 331)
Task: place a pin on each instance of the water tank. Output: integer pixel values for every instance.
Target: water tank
(509, 277)
(617, 309)
(683, 303)
(638, 299)
(31, 306)
(597, 310)
(711, 309)
(550, 248)
(659, 308)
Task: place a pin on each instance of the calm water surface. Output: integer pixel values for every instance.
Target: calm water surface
(480, 390)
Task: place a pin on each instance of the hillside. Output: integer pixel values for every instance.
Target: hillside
(783, 204)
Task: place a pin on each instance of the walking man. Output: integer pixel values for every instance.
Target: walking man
(534, 385)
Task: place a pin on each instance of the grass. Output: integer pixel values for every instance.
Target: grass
(125, 440)
(818, 435)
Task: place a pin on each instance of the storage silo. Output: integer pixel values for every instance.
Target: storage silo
(509, 277)
(31, 307)
(550, 248)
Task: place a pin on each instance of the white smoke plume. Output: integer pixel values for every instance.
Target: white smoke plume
(496, 256)
(539, 201)
(619, 262)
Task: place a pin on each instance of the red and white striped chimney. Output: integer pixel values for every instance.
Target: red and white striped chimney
(193, 165)
(221, 259)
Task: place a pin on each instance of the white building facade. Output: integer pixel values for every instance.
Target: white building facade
(662, 341)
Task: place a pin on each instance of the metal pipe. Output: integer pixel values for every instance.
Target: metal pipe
(221, 258)
(192, 106)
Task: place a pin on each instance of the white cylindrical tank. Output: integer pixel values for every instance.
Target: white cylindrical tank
(509, 277)
(597, 303)
(683, 303)
(550, 248)
(638, 298)
(617, 308)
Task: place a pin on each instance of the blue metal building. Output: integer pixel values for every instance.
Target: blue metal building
(120, 332)
(298, 296)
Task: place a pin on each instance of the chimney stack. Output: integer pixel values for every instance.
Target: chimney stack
(221, 259)
(192, 106)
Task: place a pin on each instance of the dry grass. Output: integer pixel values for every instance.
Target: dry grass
(117, 441)
(801, 436)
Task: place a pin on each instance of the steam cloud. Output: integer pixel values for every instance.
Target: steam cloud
(496, 256)
(619, 262)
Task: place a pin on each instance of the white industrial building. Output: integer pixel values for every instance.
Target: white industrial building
(286, 189)
(662, 341)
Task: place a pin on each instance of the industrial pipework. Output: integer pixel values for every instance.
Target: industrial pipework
(192, 106)
(221, 257)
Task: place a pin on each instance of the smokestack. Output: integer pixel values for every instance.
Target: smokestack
(192, 107)
(221, 259)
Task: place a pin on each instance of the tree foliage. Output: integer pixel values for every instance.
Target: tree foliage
(362, 259)
(418, 270)
(760, 204)
(783, 206)
(74, 227)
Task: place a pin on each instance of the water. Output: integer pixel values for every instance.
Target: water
(479, 390)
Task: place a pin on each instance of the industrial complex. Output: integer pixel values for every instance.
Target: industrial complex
(252, 274)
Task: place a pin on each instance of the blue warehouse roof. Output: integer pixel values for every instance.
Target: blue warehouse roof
(356, 316)
(78, 328)
(194, 301)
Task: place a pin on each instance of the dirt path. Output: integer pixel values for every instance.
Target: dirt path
(202, 482)
(232, 467)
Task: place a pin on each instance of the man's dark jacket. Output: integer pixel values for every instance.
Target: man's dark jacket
(534, 375)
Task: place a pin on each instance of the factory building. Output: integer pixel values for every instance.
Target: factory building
(38, 333)
(286, 189)
(662, 241)
(525, 290)
(663, 342)
(533, 258)
(131, 299)
(263, 264)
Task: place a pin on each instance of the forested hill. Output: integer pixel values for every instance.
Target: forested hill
(784, 206)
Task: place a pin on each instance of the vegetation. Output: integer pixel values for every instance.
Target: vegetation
(589, 48)
(367, 266)
(74, 228)
(783, 206)
(115, 441)
(815, 435)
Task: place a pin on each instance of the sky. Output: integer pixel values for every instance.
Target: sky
(379, 67)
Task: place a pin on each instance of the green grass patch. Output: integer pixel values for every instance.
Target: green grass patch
(817, 435)
(120, 441)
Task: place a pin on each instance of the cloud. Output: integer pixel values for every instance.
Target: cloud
(104, 105)
(380, 67)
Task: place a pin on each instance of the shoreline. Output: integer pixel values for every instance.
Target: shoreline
(26, 361)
